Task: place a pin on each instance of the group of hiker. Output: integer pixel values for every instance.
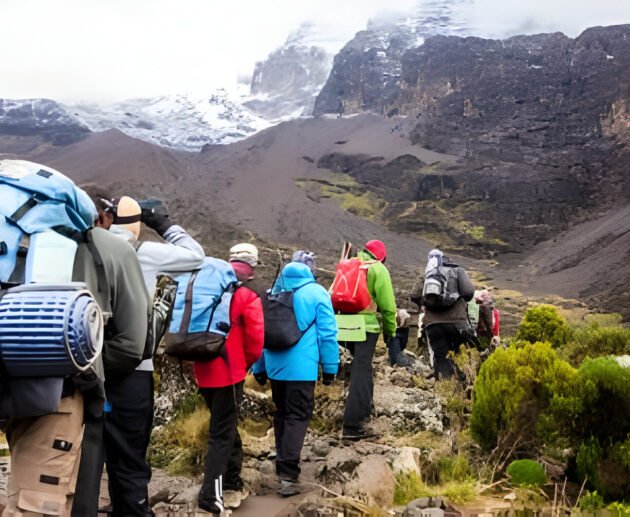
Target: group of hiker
(86, 301)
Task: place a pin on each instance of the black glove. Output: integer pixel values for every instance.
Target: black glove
(261, 378)
(328, 378)
(156, 217)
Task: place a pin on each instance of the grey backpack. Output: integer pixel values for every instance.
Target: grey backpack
(441, 288)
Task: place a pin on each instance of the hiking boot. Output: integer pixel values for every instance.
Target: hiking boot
(404, 360)
(356, 435)
(288, 488)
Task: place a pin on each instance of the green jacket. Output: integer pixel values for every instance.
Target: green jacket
(382, 293)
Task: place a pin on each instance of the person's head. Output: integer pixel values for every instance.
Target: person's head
(244, 258)
(377, 249)
(104, 204)
(305, 257)
(127, 214)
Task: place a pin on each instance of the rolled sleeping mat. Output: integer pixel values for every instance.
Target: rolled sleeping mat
(49, 330)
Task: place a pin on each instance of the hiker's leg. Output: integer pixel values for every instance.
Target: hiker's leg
(300, 401)
(235, 463)
(127, 431)
(279, 395)
(440, 341)
(45, 455)
(223, 406)
(359, 402)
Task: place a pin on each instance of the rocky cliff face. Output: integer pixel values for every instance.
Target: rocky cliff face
(42, 118)
(540, 123)
(286, 84)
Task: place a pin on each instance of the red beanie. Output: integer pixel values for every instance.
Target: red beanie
(377, 249)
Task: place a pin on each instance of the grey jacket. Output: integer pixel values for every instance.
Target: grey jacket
(458, 312)
(125, 294)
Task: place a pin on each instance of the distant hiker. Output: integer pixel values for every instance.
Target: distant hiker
(484, 317)
(220, 383)
(129, 415)
(294, 350)
(55, 413)
(443, 292)
(368, 273)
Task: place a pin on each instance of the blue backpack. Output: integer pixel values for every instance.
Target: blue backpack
(201, 314)
(50, 327)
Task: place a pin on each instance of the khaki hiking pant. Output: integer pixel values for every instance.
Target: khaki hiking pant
(45, 453)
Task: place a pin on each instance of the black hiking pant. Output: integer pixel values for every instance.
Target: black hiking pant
(126, 435)
(361, 392)
(294, 401)
(224, 459)
(443, 338)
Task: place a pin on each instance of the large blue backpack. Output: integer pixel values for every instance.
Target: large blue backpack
(50, 327)
(201, 313)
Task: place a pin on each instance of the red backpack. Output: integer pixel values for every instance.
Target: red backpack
(349, 292)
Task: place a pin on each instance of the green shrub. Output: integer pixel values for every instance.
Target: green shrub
(409, 486)
(600, 431)
(591, 502)
(453, 468)
(515, 387)
(527, 473)
(543, 323)
(595, 340)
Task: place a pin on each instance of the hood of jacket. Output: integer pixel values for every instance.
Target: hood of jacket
(123, 233)
(294, 275)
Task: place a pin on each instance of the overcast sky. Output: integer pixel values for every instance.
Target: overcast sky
(106, 50)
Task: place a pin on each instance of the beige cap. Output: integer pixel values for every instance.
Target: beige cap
(128, 213)
(244, 252)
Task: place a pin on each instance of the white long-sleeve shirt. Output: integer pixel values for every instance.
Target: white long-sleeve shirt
(179, 253)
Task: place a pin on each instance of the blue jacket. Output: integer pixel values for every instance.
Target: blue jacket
(311, 302)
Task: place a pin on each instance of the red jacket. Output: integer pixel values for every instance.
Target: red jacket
(243, 346)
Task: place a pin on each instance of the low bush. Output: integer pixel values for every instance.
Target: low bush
(527, 473)
(591, 502)
(594, 339)
(409, 486)
(543, 323)
(514, 389)
(600, 430)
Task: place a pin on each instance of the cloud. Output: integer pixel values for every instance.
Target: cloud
(113, 49)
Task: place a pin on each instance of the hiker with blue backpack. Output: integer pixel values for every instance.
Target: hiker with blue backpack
(220, 381)
(86, 322)
(129, 411)
(300, 337)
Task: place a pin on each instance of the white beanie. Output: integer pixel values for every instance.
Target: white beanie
(244, 252)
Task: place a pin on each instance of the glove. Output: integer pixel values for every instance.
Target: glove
(328, 378)
(261, 378)
(157, 218)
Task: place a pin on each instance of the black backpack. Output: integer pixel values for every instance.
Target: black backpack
(281, 327)
(441, 288)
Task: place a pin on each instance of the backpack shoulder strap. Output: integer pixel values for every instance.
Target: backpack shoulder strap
(101, 274)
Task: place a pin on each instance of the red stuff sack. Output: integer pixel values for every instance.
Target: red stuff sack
(496, 322)
(349, 292)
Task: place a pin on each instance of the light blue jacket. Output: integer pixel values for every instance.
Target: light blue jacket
(311, 302)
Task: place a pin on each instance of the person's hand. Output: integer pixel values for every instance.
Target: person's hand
(328, 378)
(261, 378)
(156, 218)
